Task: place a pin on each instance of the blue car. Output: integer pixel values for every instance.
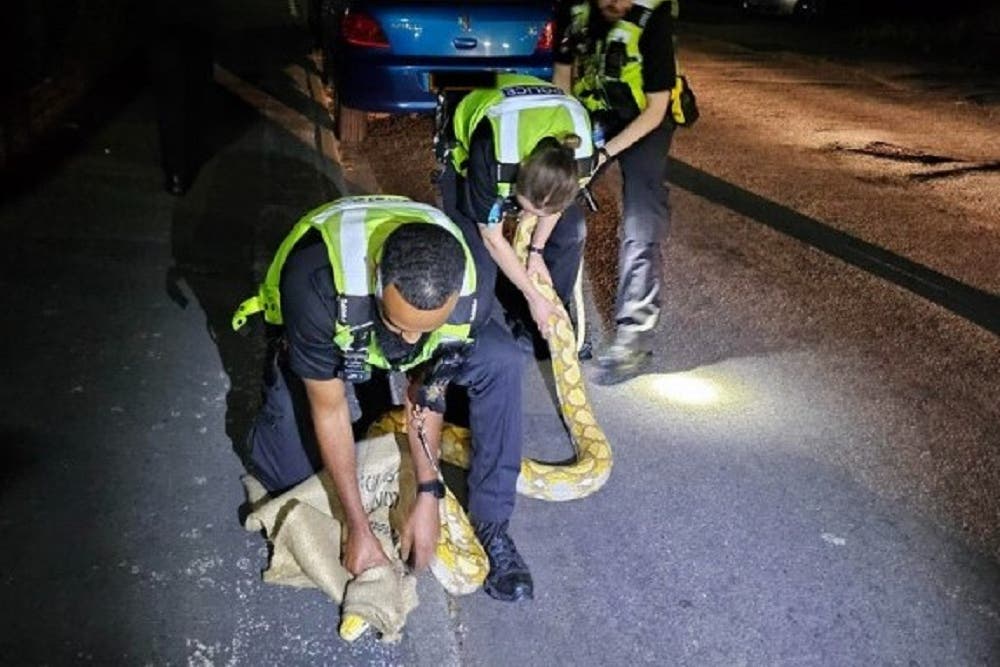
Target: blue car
(392, 55)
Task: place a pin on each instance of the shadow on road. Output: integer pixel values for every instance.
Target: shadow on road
(258, 179)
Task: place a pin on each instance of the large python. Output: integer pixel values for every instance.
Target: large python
(460, 563)
(592, 463)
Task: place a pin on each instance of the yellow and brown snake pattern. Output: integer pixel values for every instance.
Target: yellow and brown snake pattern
(461, 564)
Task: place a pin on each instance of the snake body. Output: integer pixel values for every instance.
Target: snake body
(592, 466)
(460, 563)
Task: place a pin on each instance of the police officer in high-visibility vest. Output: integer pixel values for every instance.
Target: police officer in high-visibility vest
(521, 147)
(617, 57)
(387, 283)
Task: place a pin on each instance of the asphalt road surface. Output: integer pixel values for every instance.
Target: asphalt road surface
(808, 476)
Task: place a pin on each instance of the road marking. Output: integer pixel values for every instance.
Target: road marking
(975, 305)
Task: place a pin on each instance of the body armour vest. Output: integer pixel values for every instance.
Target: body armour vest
(522, 111)
(353, 230)
(609, 78)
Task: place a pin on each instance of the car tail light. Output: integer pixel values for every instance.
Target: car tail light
(360, 29)
(546, 38)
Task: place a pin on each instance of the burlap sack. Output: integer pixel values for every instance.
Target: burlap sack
(304, 526)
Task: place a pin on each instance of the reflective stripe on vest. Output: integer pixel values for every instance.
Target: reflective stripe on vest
(506, 119)
(590, 86)
(522, 110)
(353, 234)
(353, 230)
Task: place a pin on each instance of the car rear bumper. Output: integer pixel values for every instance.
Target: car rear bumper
(371, 85)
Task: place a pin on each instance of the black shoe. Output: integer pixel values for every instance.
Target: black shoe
(509, 579)
(176, 184)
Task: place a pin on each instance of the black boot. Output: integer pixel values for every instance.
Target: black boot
(176, 184)
(509, 579)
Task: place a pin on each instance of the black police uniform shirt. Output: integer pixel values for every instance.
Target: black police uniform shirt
(478, 190)
(655, 44)
(309, 308)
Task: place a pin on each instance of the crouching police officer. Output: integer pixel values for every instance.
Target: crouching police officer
(617, 57)
(522, 147)
(386, 282)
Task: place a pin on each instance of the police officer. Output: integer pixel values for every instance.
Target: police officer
(388, 283)
(521, 147)
(617, 57)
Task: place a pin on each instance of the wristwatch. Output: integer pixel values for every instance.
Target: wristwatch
(435, 487)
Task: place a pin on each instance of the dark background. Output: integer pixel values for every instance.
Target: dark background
(56, 53)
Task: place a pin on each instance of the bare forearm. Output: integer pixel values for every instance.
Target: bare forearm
(332, 422)
(544, 229)
(340, 461)
(336, 446)
(426, 423)
(505, 257)
(647, 121)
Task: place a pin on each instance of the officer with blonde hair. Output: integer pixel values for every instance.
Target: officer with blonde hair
(522, 147)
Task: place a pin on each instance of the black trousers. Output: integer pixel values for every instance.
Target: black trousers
(284, 452)
(645, 223)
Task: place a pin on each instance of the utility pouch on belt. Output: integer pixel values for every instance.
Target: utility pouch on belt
(356, 368)
(683, 105)
(624, 108)
(615, 59)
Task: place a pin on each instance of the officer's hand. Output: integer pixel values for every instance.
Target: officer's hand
(542, 312)
(602, 161)
(421, 532)
(363, 551)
